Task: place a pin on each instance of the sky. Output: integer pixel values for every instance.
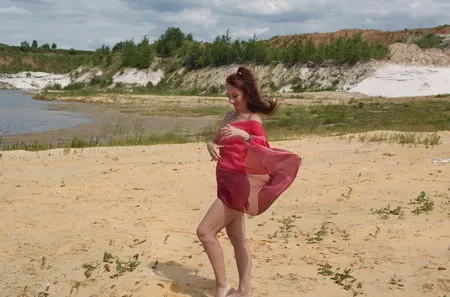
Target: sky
(88, 24)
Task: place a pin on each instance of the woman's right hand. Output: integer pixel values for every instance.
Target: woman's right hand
(213, 149)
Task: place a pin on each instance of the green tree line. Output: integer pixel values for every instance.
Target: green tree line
(182, 50)
(223, 50)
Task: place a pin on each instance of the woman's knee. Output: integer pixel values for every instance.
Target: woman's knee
(204, 233)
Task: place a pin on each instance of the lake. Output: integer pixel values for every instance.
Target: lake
(20, 113)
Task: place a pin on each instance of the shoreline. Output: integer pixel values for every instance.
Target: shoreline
(110, 117)
(138, 115)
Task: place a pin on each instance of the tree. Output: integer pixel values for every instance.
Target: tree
(45, 46)
(24, 45)
(136, 55)
(34, 44)
(53, 46)
(170, 41)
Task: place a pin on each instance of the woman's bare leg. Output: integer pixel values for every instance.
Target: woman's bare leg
(216, 218)
(236, 233)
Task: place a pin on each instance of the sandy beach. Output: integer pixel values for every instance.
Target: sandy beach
(120, 221)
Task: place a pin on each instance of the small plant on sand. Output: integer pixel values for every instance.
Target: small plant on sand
(325, 269)
(385, 212)
(1, 155)
(121, 267)
(432, 139)
(396, 282)
(343, 279)
(89, 268)
(124, 266)
(423, 204)
(285, 230)
(318, 236)
(75, 287)
(43, 262)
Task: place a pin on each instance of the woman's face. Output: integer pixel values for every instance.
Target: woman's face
(236, 97)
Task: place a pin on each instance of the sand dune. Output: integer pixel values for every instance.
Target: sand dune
(61, 210)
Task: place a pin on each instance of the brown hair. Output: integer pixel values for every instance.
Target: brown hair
(244, 80)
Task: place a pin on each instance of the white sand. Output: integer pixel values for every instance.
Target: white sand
(401, 81)
(28, 80)
(138, 77)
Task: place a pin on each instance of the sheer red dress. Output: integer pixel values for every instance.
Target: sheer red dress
(252, 175)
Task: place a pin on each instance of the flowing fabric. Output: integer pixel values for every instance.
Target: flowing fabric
(252, 175)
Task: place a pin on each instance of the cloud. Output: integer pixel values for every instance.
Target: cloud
(14, 10)
(87, 24)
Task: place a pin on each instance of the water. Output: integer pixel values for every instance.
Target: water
(20, 113)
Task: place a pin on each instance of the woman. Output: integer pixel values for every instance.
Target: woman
(250, 177)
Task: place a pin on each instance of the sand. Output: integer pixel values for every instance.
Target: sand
(61, 210)
(394, 80)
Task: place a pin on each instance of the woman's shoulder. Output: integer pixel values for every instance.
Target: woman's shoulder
(255, 117)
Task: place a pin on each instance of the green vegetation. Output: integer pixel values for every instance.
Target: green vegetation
(224, 50)
(344, 279)
(423, 204)
(386, 212)
(14, 59)
(401, 138)
(420, 116)
(177, 49)
(431, 41)
(289, 122)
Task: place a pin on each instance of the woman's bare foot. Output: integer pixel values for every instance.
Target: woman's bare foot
(241, 294)
(223, 291)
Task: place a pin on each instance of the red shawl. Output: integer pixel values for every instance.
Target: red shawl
(251, 175)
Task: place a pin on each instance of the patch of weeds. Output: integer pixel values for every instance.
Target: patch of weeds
(108, 258)
(432, 139)
(82, 143)
(1, 155)
(318, 236)
(326, 269)
(121, 267)
(75, 287)
(285, 230)
(396, 282)
(344, 279)
(402, 138)
(124, 266)
(66, 151)
(385, 212)
(90, 267)
(341, 278)
(423, 204)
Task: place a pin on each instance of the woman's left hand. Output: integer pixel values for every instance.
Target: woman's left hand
(230, 131)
